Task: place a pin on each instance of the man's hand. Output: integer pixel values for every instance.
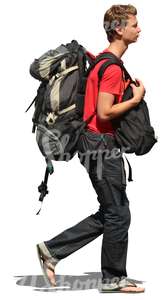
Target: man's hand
(138, 91)
(107, 110)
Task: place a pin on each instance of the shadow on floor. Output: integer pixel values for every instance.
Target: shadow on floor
(87, 281)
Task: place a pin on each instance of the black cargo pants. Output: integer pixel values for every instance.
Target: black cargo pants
(102, 159)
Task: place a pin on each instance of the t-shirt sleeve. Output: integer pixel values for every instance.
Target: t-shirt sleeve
(111, 80)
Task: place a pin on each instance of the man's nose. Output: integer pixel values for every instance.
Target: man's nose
(138, 29)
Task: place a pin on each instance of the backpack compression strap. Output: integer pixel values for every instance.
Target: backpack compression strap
(42, 189)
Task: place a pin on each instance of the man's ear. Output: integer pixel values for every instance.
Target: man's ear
(119, 30)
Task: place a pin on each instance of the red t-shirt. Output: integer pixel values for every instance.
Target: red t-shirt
(112, 82)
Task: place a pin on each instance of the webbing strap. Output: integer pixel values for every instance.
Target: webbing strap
(130, 170)
(71, 107)
(112, 59)
(66, 71)
(43, 189)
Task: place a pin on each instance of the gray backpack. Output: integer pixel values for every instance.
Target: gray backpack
(59, 103)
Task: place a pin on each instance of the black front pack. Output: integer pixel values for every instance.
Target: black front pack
(133, 130)
(134, 133)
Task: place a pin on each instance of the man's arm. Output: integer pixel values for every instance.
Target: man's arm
(106, 110)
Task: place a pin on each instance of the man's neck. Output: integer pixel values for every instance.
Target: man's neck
(117, 48)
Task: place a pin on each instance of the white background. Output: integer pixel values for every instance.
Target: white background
(28, 29)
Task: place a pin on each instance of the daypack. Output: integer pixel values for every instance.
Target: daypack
(59, 104)
(133, 130)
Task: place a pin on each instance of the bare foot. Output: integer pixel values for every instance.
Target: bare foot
(134, 289)
(49, 271)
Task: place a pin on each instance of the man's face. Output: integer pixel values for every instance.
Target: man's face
(130, 32)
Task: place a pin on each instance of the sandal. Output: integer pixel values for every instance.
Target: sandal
(46, 266)
(123, 285)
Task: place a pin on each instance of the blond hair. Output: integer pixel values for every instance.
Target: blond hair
(117, 15)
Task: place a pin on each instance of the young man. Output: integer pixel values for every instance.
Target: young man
(113, 217)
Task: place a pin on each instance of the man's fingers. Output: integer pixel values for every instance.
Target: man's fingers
(138, 82)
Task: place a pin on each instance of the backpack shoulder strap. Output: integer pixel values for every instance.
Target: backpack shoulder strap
(103, 56)
(112, 59)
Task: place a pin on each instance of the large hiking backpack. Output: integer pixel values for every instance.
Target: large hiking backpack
(59, 100)
(58, 116)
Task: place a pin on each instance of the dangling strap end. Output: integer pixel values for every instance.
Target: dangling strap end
(50, 167)
(33, 128)
(39, 210)
(130, 170)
